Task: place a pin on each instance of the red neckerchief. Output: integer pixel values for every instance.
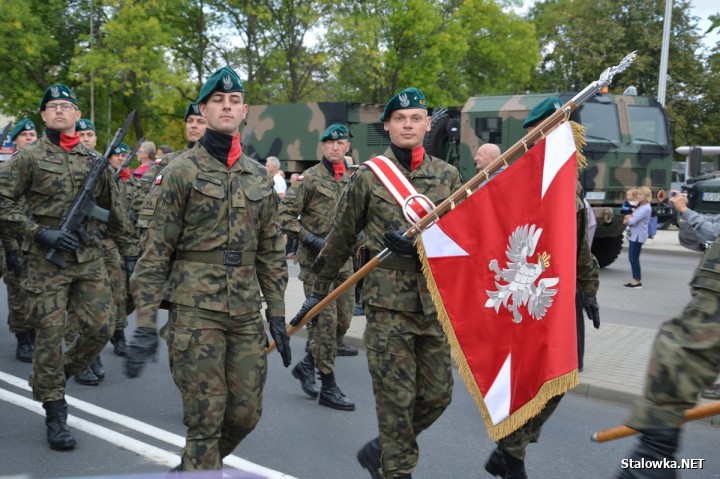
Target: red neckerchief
(235, 151)
(125, 174)
(339, 169)
(418, 153)
(68, 142)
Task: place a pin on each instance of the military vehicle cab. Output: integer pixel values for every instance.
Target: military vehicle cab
(628, 145)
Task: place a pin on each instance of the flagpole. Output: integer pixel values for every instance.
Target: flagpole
(523, 145)
(618, 432)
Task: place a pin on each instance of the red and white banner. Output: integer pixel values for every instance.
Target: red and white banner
(501, 267)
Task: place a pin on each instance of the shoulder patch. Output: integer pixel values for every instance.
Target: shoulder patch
(158, 180)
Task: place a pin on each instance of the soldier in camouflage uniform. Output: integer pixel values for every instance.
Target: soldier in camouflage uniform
(508, 459)
(212, 246)
(93, 374)
(195, 125)
(306, 213)
(408, 353)
(48, 175)
(683, 362)
(22, 135)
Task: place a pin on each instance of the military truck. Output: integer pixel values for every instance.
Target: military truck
(628, 143)
(703, 189)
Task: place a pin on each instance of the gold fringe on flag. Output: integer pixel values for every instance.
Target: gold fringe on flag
(578, 132)
(510, 424)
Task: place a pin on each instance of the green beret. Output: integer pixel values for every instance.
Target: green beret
(542, 110)
(121, 148)
(58, 91)
(336, 131)
(25, 124)
(83, 124)
(192, 109)
(408, 98)
(224, 80)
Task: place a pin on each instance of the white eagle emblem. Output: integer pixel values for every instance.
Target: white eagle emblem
(520, 276)
(404, 102)
(227, 82)
(54, 91)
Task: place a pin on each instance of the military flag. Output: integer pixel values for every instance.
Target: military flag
(501, 269)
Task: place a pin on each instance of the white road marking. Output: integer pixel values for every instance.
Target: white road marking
(154, 454)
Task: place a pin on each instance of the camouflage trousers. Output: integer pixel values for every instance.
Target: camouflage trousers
(218, 363)
(684, 361)
(331, 324)
(516, 442)
(18, 320)
(115, 267)
(409, 362)
(83, 288)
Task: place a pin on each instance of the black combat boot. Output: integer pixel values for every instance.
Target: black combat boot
(304, 371)
(87, 378)
(345, 350)
(504, 465)
(655, 445)
(58, 435)
(369, 458)
(403, 475)
(119, 343)
(25, 346)
(495, 465)
(98, 368)
(332, 396)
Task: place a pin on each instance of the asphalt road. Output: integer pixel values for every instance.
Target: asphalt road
(126, 427)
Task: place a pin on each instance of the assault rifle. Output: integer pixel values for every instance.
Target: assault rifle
(83, 208)
(128, 159)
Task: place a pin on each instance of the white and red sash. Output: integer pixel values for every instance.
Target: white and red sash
(414, 205)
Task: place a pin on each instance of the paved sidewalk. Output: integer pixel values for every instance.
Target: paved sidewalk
(616, 356)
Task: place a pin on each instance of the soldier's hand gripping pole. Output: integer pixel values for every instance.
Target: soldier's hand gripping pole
(693, 414)
(561, 115)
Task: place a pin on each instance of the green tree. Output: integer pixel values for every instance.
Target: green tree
(37, 40)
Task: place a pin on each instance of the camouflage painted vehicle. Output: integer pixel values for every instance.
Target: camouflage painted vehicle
(628, 145)
(703, 189)
(291, 132)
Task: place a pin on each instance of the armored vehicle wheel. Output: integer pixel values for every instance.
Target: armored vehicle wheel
(436, 140)
(607, 249)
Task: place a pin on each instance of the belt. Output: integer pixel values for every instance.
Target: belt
(400, 264)
(227, 257)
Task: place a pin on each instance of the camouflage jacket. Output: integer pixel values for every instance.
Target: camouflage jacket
(587, 268)
(368, 207)
(213, 240)
(309, 206)
(49, 178)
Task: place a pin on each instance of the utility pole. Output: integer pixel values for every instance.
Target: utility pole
(664, 52)
(92, 82)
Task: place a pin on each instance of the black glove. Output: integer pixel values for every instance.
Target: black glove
(142, 347)
(399, 244)
(14, 262)
(592, 310)
(57, 239)
(281, 338)
(312, 242)
(130, 262)
(309, 303)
